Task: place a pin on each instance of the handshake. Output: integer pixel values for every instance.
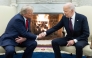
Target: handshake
(22, 39)
(41, 35)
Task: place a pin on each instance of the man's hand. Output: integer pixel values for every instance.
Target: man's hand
(41, 35)
(20, 39)
(70, 43)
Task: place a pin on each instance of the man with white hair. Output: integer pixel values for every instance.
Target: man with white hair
(77, 29)
(18, 33)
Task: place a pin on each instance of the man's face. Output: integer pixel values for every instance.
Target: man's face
(67, 12)
(29, 14)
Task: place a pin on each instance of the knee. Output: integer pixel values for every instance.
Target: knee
(34, 44)
(10, 50)
(79, 46)
(54, 42)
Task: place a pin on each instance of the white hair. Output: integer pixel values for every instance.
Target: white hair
(25, 8)
(70, 5)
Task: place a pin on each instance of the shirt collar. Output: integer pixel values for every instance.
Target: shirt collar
(73, 17)
(24, 18)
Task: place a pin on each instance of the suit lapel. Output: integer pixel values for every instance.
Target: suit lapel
(76, 21)
(67, 22)
(22, 19)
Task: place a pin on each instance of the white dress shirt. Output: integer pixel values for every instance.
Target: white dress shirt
(73, 22)
(24, 19)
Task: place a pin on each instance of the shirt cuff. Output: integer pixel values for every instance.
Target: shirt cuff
(44, 33)
(75, 40)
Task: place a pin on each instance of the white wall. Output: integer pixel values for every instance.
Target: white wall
(42, 1)
(5, 2)
(84, 2)
(44, 5)
(76, 2)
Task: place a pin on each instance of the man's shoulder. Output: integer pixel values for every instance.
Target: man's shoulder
(18, 16)
(80, 15)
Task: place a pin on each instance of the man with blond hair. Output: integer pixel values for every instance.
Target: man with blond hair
(18, 33)
(77, 29)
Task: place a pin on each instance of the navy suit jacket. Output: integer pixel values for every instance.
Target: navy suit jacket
(15, 28)
(81, 28)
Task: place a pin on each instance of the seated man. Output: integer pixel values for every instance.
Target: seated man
(18, 33)
(77, 29)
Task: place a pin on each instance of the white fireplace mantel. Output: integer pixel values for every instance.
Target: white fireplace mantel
(45, 8)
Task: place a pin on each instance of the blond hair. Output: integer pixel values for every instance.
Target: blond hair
(25, 8)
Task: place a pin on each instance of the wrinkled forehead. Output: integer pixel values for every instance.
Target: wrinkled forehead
(66, 9)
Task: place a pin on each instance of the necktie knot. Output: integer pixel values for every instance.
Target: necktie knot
(70, 18)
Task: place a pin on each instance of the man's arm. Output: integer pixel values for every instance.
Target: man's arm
(18, 25)
(56, 27)
(53, 29)
(85, 30)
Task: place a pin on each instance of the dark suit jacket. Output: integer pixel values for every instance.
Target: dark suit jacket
(15, 28)
(81, 28)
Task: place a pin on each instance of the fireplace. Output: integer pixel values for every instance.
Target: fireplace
(42, 22)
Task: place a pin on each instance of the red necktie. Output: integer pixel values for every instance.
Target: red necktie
(70, 25)
(26, 23)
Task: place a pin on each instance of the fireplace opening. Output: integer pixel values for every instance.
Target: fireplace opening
(42, 22)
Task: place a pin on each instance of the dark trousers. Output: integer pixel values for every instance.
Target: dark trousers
(63, 42)
(29, 44)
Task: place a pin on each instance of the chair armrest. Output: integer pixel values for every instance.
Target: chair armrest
(63, 33)
(91, 45)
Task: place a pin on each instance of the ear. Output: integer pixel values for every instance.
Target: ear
(72, 10)
(24, 15)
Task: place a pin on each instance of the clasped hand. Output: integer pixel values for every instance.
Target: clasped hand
(70, 43)
(20, 39)
(41, 35)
